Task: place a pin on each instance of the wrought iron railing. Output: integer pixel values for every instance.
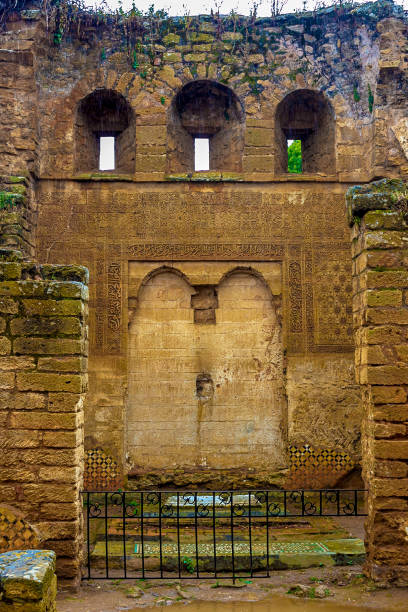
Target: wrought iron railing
(202, 534)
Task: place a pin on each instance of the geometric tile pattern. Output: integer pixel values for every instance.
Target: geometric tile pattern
(16, 533)
(311, 468)
(101, 471)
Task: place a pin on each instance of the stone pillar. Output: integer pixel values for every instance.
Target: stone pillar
(43, 347)
(378, 216)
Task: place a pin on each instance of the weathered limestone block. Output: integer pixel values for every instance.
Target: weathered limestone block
(28, 581)
(378, 214)
(43, 380)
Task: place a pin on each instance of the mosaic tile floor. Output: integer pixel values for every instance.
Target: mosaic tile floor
(152, 549)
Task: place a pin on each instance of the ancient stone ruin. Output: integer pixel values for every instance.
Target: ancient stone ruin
(225, 306)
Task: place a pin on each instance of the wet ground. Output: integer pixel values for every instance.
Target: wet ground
(347, 587)
(344, 588)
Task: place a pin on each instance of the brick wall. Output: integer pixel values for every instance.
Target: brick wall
(380, 310)
(43, 347)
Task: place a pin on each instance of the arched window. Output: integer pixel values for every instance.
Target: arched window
(306, 118)
(206, 129)
(105, 133)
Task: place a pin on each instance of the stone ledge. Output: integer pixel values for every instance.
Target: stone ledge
(28, 581)
(378, 195)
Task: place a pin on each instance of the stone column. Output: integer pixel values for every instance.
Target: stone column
(43, 365)
(378, 216)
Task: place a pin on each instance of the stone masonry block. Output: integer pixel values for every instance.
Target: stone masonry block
(62, 512)
(258, 137)
(391, 503)
(72, 290)
(391, 469)
(5, 345)
(62, 439)
(16, 363)
(78, 274)
(389, 487)
(22, 401)
(391, 412)
(46, 420)
(8, 305)
(402, 352)
(49, 326)
(386, 297)
(65, 548)
(389, 430)
(258, 163)
(64, 530)
(36, 381)
(384, 219)
(47, 346)
(389, 279)
(38, 493)
(391, 449)
(383, 239)
(392, 374)
(10, 271)
(151, 134)
(388, 394)
(65, 402)
(50, 308)
(7, 380)
(381, 316)
(374, 354)
(62, 364)
(384, 259)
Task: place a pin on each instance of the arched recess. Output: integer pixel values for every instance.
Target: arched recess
(206, 396)
(206, 109)
(308, 116)
(247, 361)
(104, 112)
(162, 374)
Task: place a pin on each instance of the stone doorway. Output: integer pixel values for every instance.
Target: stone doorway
(206, 394)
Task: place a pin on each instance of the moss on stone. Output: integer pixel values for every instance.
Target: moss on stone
(171, 39)
(100, 176)
(200, 37)
(378, 195)
(70, 273)
(170, 57)
(10, 255)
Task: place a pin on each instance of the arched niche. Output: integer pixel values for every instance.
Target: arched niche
(308, 116)
(104, 113)
(206, 109)
(205, 393)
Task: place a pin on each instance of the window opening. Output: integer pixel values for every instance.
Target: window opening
(107, 153)
(294, 156)
(201, 154)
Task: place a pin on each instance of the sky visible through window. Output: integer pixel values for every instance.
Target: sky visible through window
(107, 153)
(201, 154)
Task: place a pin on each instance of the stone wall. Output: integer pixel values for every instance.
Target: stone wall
(43, 379)
(18, 142)
(347, 66)
(378, 213)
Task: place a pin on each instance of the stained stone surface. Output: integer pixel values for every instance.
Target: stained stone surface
(28, 581)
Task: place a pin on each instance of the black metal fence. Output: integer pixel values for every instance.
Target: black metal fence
(202, 534)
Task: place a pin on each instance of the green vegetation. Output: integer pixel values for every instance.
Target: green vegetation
(370, 99)
(9, 200)
(356, 95)
(188, 564)
(295, 157)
